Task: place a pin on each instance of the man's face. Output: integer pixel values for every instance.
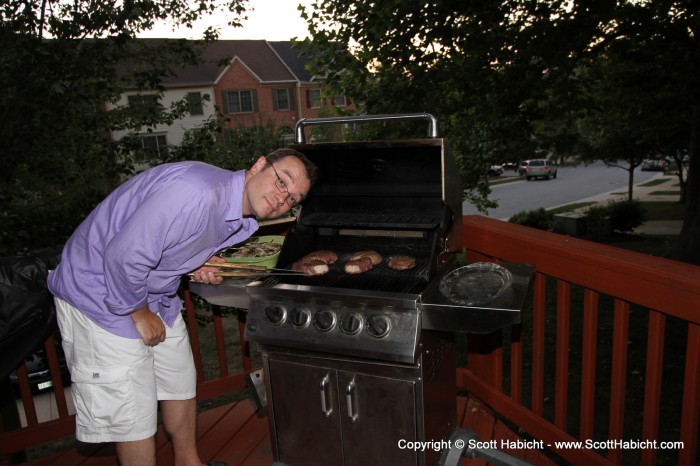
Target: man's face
(262, 196)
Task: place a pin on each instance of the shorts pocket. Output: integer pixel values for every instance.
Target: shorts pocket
(103, 397)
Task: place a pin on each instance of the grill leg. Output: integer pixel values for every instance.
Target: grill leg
(245, 346)
(256, 385)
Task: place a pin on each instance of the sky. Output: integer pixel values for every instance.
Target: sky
(267, 19)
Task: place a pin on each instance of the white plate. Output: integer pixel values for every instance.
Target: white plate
(474, 284)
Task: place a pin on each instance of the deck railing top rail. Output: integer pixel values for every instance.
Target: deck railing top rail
(628, 275)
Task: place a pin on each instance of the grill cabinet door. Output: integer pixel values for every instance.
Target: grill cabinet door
(306, 417)
(376, 414)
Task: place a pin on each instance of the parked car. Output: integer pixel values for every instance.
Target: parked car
(540, 168)
(522, 167)
(495, 170)
(510, 166)
(654, 165)
(38, 371)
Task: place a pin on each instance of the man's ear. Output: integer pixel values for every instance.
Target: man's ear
(258, 165)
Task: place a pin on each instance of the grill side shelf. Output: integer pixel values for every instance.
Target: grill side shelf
(439, 313)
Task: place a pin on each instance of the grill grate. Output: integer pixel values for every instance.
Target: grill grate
(379, 278)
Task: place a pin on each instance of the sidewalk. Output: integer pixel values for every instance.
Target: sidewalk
(645, 193)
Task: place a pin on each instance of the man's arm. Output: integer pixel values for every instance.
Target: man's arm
(150, 326)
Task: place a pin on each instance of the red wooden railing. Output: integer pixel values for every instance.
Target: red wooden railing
(661, 291)
(526, 373)
(15, 439)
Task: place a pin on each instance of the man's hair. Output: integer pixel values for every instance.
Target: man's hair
(311, 170)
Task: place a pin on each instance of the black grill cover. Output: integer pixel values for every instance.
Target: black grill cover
(27, 311)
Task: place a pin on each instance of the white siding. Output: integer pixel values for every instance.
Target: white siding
(175, 132)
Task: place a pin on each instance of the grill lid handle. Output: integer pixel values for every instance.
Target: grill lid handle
(299, 128)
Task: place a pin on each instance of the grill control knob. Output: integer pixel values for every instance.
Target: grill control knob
(351, 323)
(299, 317)
(378, 326)
(324, 321)
(275, 315)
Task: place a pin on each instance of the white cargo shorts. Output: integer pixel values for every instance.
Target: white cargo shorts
(116, 382)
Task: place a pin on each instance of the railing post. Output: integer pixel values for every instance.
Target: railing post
(9, 420)
(485, 352)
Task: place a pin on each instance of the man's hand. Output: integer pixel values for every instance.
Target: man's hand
(206, 274)
(150, 327)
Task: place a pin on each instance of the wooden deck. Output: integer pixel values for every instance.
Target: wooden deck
(597, 356)
(234, 433)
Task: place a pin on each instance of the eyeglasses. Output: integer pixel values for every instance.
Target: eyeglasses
(282, 187)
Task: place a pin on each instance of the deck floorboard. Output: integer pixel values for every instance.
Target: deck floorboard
(235, 434)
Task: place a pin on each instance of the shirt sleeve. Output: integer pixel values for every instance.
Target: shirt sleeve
(173, 214)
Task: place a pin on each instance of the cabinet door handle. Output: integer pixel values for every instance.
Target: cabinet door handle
(351, 392)
(326, 408)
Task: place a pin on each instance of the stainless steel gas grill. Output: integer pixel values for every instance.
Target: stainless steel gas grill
(358, 368)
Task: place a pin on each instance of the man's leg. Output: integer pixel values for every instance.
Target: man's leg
(114, 389)
(137, 453)
(177, 388)
(180, 420)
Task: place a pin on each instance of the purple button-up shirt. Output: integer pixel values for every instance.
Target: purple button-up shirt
(132, 250)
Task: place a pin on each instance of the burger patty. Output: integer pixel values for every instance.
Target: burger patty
(311, 267)
(328, 257)
(374, 256)
(315, 263)
(359, 265)
(401, 262)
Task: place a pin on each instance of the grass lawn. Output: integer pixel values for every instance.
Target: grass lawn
(664, 210)
(569, 207)
(665, 193)
(655, 182)
(654, 245)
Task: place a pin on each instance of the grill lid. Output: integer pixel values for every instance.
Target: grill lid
(406, 184)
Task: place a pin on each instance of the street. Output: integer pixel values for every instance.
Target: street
(572, 184)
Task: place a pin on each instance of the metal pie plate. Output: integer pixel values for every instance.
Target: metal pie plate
(475, 284)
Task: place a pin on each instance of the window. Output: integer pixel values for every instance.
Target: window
(287, 134)
(194, 101)
(281, 100)
(340, 101)
(240, 101)
(143, 100)
(154, 147)
(313, 98)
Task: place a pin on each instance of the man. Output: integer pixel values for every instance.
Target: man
(116, 293)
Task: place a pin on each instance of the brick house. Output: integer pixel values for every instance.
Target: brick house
(252, 83)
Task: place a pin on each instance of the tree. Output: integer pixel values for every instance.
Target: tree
(241, 148)
(407, 57)
(617, 121)
(497, 74)
(61, 63)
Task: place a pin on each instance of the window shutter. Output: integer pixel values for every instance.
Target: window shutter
(308, 99)
(291, 98)
(255, 100)
(224, 100)
(275, 104)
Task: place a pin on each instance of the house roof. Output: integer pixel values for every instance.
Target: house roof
(296, 57)
(270, 62)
